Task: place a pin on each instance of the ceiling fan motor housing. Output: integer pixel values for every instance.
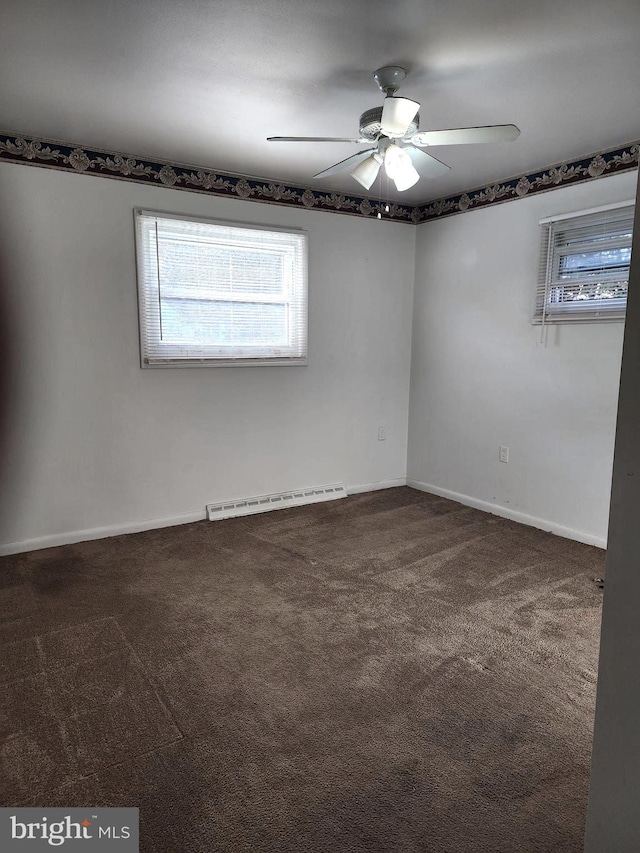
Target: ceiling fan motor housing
(389, 78)
(371, 126)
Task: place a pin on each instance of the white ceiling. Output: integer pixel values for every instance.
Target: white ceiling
(205, 82)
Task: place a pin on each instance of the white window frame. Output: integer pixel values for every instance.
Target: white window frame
(154, 352)
(555, 243)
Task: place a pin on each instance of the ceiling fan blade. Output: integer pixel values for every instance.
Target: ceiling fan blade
(316, 139)
(467, 135)
(397, 115)
(350, 162)
(426, 164)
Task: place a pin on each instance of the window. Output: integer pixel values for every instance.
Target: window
(214, 293)
(584, 265)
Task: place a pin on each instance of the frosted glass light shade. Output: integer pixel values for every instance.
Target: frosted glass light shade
(366, 172)
(399, 168)
(397, 115)
(406, 177)
(394, 158)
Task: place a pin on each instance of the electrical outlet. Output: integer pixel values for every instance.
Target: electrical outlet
(382, 434)
(504, 453)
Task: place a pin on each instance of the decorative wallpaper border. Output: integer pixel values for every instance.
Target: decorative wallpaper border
(71, 158)
(598, 165)
(50, 154)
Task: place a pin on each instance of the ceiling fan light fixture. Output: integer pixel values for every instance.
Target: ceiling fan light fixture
(399, 167)
(406, 177)
(366, 172)
(395, 140)
(397, 115)
(394, 159)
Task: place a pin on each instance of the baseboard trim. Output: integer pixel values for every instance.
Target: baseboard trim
(99, 533)
(513, 515)
(72, 537)
(373, 487)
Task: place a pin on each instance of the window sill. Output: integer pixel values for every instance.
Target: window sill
(221, 362)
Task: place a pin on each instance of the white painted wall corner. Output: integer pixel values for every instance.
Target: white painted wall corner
(372, 487)
(513, 515)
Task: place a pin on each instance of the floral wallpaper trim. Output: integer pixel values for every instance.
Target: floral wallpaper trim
(594, 166)
(71, 158)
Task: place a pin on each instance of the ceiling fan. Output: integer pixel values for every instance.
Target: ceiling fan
(393, 130)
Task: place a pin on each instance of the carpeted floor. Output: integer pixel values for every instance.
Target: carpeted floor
(390, 672)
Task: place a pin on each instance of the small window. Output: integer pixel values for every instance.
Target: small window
(213, 293)
(584, 265)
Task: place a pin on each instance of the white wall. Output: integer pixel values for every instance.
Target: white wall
(481, 378)
(93, 441)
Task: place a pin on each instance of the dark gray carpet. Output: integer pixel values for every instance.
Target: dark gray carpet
(389, 672)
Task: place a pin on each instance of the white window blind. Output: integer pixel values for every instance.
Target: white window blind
(584, 265)
(214, 293)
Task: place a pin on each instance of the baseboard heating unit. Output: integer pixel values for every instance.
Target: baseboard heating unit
(265, 503)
